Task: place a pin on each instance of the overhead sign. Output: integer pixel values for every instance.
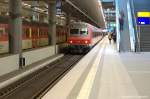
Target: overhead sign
(143, 18)
(58, 7)
(143, 14)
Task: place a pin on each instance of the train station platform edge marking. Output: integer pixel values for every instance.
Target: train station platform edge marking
(87, 86)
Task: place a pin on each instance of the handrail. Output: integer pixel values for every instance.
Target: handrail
(131, 26)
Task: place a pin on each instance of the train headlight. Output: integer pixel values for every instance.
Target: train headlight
(86, 42)
(70, 41)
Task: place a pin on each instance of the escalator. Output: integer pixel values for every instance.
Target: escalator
(142, 32)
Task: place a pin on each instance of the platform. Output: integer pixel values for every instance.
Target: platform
(16, 75)
(106, 74)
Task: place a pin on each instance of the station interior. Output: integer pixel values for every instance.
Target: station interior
(74, 49)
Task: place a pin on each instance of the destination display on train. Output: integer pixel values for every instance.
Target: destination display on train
(143, 18)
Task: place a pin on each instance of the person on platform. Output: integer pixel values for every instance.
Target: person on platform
(110, 37)
(121, 20)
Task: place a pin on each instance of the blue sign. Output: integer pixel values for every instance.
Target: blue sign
(58, 7)
(58, 4)
(143, 21)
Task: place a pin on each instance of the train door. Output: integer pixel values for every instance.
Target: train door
(4, 45)
(57, 34)
(35, 37)
(26, 38)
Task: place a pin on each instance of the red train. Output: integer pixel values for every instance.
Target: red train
(34, 35)
(83, 37)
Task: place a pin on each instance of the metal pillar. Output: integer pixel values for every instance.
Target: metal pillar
(68, 20)
(68, 23)
(52, 22)
(15, 34)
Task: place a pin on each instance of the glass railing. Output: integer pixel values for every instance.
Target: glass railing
(131, 26)
(136, 32)
(117, 24)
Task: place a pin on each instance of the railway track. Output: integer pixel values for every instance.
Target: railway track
(38, 83)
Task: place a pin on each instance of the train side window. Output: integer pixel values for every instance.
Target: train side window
(27, 33)
(1, 31)
(6, 30)
(33, 32)
(24, 31)
(45, 33)
(74, 31)
(93, 34)
(40, 33)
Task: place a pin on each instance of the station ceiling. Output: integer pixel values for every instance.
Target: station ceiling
(87, 10)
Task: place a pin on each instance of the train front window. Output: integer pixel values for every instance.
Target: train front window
(84, 31)
(74, 31)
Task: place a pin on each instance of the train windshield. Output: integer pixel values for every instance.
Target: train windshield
(84, 31)
(74, 31)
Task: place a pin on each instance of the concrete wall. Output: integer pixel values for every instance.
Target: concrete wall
(8, 64)
(11, 63)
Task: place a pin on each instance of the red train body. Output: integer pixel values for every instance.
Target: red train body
(83, 37)
(34, 35)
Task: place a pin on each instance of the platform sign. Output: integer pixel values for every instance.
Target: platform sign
(143, 18)
(143, 14)
(58, 7)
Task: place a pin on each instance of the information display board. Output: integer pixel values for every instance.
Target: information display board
(143, 18)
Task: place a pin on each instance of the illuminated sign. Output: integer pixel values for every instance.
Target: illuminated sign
(143, 14)
(143, 18)
(58, 7)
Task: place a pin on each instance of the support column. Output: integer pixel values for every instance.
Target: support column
(15, 34)
(68, 19)
(52, 22)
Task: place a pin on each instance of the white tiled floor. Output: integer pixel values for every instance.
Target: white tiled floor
(115, 82)
(113, 76)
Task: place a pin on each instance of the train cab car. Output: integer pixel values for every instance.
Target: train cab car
(82, 37)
